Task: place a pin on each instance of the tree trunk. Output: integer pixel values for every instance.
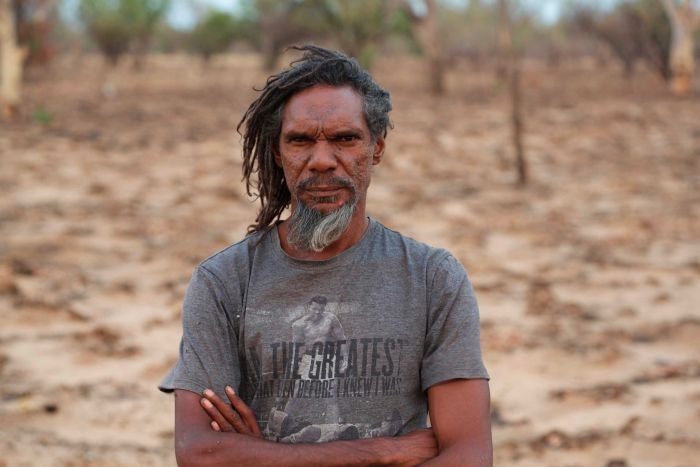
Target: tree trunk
(269, 41)
(139, 54)
(505, 42)
(33, 23)
(682, 60)
(427, 32)
(271, 53)
(517, 121)
(11, 60)
(510, 61)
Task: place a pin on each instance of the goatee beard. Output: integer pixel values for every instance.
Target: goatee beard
(312, 230)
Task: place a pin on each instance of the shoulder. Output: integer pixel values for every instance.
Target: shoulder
(328, 316)
(234, 259)
(227, 271)
(429, 256)
(301, 321)
(437, 266)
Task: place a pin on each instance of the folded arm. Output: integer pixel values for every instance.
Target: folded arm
(460, 418)
(197, 444)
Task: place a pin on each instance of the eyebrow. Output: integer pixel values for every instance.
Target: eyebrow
(351, 131)
(296, 134)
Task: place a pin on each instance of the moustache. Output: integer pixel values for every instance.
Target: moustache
(318, 180)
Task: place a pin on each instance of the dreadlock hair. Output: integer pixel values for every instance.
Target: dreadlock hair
(263, 121)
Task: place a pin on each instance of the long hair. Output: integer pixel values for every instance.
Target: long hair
(262, 122)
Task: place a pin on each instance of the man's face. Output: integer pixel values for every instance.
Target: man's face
(325, 148)
(316, 309)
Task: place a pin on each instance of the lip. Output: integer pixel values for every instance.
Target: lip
(324, 188)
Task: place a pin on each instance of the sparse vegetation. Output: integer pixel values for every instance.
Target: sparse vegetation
(214, 34)
(633, 31)
(117, 26)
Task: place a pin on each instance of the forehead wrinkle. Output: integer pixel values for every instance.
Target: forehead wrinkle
(321, 110)
(317, 110)
(332, 124)
(325, 113)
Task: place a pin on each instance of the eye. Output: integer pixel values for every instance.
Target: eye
(347, 138)
(300, 139)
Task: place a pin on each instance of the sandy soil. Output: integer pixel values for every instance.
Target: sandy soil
(588, 279)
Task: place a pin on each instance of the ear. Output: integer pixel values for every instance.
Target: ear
(276, 155)
(379, 146)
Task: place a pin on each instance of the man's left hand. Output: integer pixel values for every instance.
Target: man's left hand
(236, 416)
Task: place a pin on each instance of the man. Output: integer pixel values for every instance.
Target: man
(261, 382)
(320, 335)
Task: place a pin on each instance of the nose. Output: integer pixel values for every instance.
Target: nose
(322, 158)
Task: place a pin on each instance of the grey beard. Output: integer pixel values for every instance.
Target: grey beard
(310, 229)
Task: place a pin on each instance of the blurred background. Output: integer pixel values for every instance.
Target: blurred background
(553, 146)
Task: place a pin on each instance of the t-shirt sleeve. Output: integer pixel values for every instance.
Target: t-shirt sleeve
(452, 346)
(209, 348)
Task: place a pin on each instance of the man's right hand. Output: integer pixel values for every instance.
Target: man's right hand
(412, 449)
(197, 443)
(415, 447)
(236, 416)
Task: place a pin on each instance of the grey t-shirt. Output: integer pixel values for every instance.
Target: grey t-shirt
(335, 349)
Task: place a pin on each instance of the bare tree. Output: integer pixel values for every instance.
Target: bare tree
(616, 30)
(506, 57)
(12, 56)
(632, 31)
(33, 22)
(683, 19)
(427, 31)
(120, 25)
(106, 25)
(280, 26)
(144, 16)
(510, 59)
(213, 34)
(357, 25)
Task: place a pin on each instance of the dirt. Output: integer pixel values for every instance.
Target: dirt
(588, 279)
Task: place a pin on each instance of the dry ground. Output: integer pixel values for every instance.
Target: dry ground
(588, 280)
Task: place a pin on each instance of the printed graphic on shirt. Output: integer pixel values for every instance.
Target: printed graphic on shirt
(310, 375)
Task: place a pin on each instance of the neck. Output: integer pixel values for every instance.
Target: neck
(352, 235)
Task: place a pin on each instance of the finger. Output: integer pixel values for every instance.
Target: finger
(223, 413)
(244, 411)
(215, 415)
(215, 426)
(228, 412)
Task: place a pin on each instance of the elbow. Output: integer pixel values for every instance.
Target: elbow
(471, 456)
(213, 450)
(483, 458)
(193, 452)
(187, 453)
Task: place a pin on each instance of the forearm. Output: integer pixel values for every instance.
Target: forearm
(471, 456)
(204, 436)
(228, 449)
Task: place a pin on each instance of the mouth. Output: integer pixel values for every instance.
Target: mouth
(325, 184)
(324, 194)
(323, 189)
